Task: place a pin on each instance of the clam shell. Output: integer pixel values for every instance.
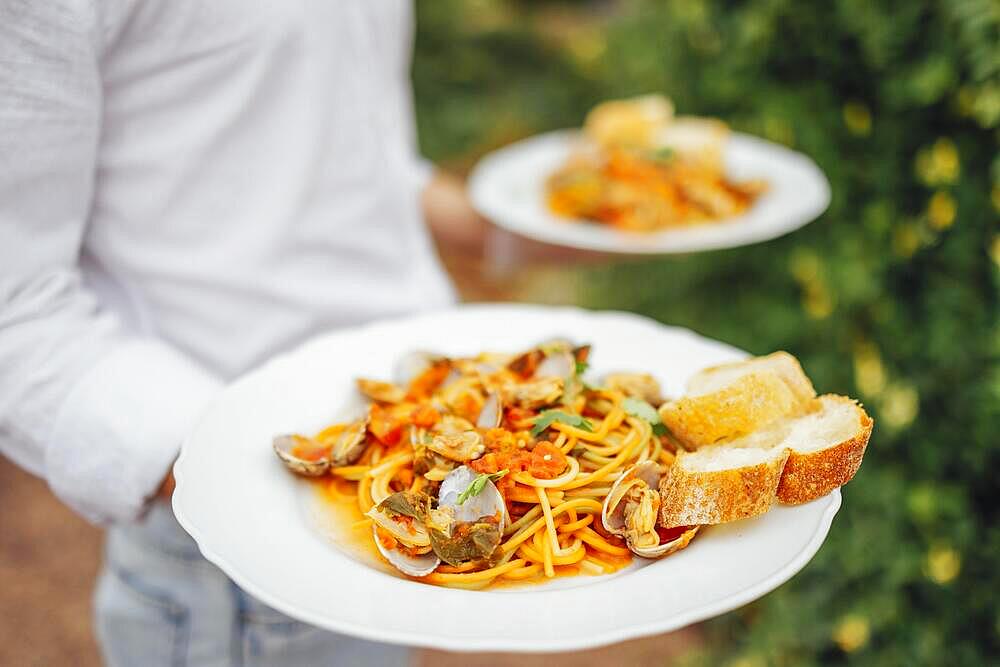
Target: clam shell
(558, 364)
(419, 538)
(350, 443)
(488, 502)
(492, 413)
(413, 566)
(649, 472)
(284, 445)
(666, 548)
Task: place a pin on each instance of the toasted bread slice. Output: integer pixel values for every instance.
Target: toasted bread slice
(826, 448)
(796, 459)
(719, 484)
(731, 400)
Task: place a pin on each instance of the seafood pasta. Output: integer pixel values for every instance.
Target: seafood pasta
(640, 168)
(501, 467)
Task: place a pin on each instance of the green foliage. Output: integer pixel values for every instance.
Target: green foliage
(890, 297)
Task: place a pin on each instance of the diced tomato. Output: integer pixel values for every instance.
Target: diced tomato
(424, 384)
(547, 461)
(519, 419)
(384, 425)
(425, 416)
(468, 406)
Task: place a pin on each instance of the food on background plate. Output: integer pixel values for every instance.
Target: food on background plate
(501, 467)
(640, 168)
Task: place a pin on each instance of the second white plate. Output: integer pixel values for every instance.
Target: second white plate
(508, 187)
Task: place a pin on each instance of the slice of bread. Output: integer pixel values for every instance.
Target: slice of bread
(795, 460)
(731, 400)
(826, 448)
(719, 484)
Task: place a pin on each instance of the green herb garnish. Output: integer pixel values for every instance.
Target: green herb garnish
(663, 154)
(478, 484)
(581, 367)
(639, 408)
(547, 418)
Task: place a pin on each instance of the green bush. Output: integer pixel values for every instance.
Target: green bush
(890, 297)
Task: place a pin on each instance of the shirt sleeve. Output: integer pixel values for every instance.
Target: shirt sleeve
(99, 412)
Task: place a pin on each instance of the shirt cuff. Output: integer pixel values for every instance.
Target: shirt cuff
(121, 427)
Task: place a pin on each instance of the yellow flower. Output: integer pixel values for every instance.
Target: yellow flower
(995, 249)
(588, 46)
(817, 301)
(858, 118)
(942, 565)
(939, 164)
(852, 632)
(869, 373)
(941, 210)
(899, 405)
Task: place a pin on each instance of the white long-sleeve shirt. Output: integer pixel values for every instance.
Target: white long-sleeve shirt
(187, 187)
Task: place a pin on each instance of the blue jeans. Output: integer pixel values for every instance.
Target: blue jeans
(160, 604)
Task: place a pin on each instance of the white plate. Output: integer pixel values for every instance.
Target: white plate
(508, 187)
(251, 517)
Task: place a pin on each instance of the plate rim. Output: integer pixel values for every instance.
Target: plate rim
(481, 198)
(467, 645)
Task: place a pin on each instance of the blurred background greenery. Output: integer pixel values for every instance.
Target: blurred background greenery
(890, 297)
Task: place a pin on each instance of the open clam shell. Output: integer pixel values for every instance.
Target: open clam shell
(645, 475)
(413, 566)
(666, 548)
(560, 364)
(613, 512)
(350, 443)
(492, 413)
(487, 502)
(285, 447)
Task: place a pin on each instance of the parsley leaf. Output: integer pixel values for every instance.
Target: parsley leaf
(478, 484)
(638, 408)
(547, 418)
(581, 367)
(663, 154)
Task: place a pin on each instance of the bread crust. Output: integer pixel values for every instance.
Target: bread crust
(744, 405)
(690, 498)
(811, 475)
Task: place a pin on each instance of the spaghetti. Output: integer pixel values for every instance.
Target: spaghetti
(527, 426)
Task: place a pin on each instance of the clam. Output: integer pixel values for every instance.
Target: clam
(462, 446)
(533, 393)
(414, 566)
(487, 503)
(381, 392)
(400, 533)
(632, 508)
(291, 449)
(471, 529)
(636, 385)
(557, 364)
(492, 413)
(349, 444)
